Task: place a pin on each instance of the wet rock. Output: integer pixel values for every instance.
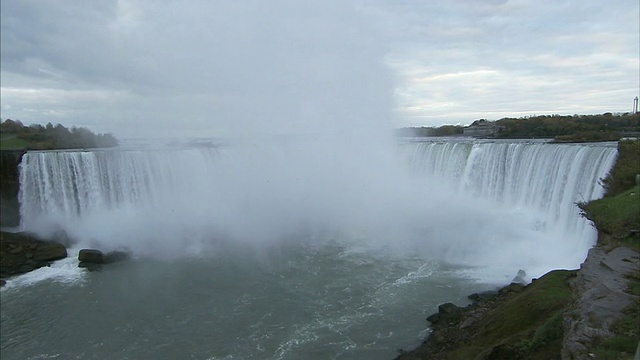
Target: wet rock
(483, 296)
(601, 296)
(16, 250)
(447, 312)
(91, 256)
(93, 259)
(116, 256)
(511, 288)
(434, 318)
(448, 309)
(48, 252)
(24, 252)
(467, 322)
(90, 266)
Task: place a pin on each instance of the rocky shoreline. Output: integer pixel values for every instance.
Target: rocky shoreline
(589, 313)
(497, 324)
(561, 315)
(22, 252)
(600, 299)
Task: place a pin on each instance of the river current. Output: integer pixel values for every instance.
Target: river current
(289, 262)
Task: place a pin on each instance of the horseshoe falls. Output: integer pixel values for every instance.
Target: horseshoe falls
(291, 249)
(541, 181)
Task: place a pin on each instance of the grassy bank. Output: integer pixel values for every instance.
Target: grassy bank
(618, 221)
(617, 217)
(528, 322)
(516, 323)
(617, 214)
(12, 142)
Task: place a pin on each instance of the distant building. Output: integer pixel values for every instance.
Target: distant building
(482, 128)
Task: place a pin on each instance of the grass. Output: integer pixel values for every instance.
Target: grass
(617, 217)
(530, 324)
(12, 142)
(627, 166)
(622, 345)
(527, 324)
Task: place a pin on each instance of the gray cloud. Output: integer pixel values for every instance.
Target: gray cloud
(518, 58)
(221, 68)
(210, 68)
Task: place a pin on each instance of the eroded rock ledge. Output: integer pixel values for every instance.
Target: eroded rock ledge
(509, 323)
(600, 298)
(24, 252)
(562, 315)
(93, 259)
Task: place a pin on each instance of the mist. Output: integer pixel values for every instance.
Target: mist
(304, 113)
(251, 68)
(267, 196)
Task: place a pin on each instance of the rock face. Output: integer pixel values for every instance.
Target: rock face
(23, 252)
(93, 259)
(9, 187)
(600, 298)
(91, 256)
(448, 312)
(513, 322)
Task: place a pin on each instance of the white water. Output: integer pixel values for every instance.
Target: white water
(493, 206)
(543, 178)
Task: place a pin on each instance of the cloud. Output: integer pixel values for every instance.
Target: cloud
(236, 66)
(222, 68)
(518, 58)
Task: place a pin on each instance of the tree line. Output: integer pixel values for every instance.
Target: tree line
(38, 137)
(601, 127)
(605, 126)
(445, 130)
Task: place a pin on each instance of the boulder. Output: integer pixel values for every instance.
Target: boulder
(90, 266)
(511, 288)
(483, 296)
(448, 309)
(49, 252)
(93, 259)
(434, 318)
(448, 312)
(91, 256)
(24, 252)
(115, 256)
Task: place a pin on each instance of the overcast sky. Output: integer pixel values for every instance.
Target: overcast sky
(216, 68)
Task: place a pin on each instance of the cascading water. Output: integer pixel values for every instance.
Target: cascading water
(541, 177)
(288, 250)
(508, 195)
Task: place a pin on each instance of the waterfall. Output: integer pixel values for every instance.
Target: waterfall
(464, 202)
(545, 177)
(74, 183)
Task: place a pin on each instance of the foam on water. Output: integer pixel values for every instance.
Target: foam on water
(493, 207)
(65, 271)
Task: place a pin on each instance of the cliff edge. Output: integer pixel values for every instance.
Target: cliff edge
(590, 313)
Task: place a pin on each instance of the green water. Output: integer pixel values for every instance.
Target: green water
(299, 301)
